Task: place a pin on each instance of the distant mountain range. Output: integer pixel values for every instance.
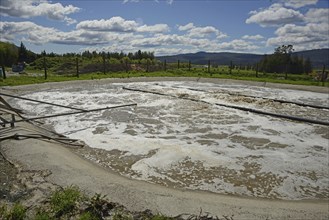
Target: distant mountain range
(318, 57)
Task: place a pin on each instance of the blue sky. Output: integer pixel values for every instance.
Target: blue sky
(165, 26)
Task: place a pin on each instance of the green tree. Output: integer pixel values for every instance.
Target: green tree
(8, 54)
(282, 61)
(22, 53)
(307, 66)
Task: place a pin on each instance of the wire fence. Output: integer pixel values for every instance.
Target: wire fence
(76, 66)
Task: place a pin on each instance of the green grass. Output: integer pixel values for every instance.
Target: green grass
(64, 201)
(17, 212)
(220, 73)
(71, 203)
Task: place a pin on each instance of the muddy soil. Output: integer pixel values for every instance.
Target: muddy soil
(11, 189)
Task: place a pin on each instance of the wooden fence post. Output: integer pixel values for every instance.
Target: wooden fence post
(3, 72)
(45, 66)
(104, 64)
(165, 65)
(323, 75)
(178, 62)
(189, 65)
(147, 66)
(231, 66)
(257, 70)
(77, 65)
(209, 67)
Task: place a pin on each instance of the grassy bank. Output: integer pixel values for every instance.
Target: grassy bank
(71, 203)
(34, 78)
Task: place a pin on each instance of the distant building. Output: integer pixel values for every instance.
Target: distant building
(18, 67)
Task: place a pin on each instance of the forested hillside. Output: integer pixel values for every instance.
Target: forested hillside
(317, 58)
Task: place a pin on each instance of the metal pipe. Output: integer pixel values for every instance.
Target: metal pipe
(43, 102)
(72, 113)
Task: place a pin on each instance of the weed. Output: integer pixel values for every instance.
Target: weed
(88, 216)
(3, 211)
(99, 206)
(70, 203)
(18, 212)
(43, 215)
(64, 201)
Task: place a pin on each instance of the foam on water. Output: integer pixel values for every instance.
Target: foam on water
(194, 145)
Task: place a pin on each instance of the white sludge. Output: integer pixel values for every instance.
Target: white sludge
(194, 145)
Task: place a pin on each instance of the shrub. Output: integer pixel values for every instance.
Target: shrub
(64, 201)
(18, 212)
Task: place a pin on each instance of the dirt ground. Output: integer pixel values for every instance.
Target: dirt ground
(42, 165)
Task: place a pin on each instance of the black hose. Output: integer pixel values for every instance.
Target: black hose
(294, 118)
(258, 97)
(71, 113)
(43, 102)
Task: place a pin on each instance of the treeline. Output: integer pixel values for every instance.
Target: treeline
(139, 55)
(282, 61)
(11, 54)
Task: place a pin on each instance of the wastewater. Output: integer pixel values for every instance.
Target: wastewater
(196, 144)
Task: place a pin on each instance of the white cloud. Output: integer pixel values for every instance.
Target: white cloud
(201, 32)
(170, 2)
(160, 40)
(35, 8)
(186, 27)
(118, 24)
(309, 36)
(37, 34)
(119, 34)
(298, 3)
(238, 45)
(317, 15)
(252, 37)
(157, 28)
(114, 24)
(126, 1)
(275, 15)
(303, 31)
